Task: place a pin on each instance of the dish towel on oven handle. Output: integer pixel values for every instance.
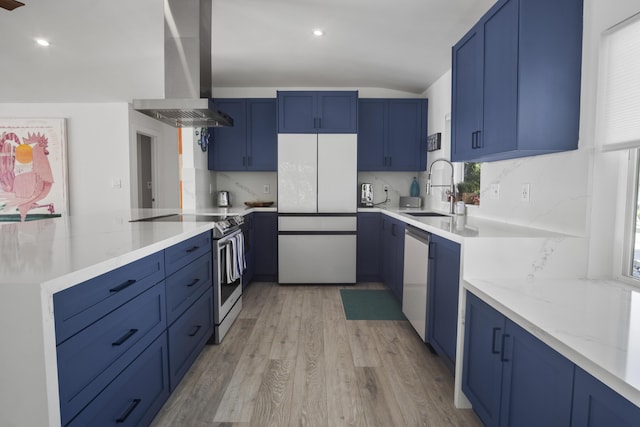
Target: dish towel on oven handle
(241, 264)
(232, 272)
(235, 260)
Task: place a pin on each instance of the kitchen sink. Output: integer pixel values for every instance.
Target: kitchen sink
(425, 214)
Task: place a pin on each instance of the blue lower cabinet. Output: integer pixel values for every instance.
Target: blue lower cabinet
(537, 382)
(88, 361)
(482, 366)
(596, 405)
(368, 247)
(135, 396)
(188, 335)
(265, 246)
(444, 285)
(392, 254)
(511, 377)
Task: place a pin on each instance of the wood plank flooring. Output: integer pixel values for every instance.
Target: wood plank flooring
(291, 359)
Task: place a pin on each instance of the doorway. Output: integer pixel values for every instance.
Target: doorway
(145, 171)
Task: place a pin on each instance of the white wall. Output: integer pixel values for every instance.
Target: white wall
(97, 151)
(166, 173)
(100, 145)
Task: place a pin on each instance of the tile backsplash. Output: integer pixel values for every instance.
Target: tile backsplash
(248, 186)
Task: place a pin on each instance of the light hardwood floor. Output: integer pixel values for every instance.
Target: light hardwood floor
(291, 359)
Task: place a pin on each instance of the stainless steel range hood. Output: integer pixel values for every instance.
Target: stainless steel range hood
(187, 69)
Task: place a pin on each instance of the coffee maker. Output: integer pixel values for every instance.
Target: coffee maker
(366, 195)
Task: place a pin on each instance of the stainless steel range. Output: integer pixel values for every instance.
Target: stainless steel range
(228, 265)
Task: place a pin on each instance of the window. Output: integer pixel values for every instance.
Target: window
(620, 126)
(634, 232)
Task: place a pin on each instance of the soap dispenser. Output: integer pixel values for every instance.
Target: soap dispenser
(415, 188)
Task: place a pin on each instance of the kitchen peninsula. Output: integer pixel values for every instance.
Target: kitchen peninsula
(40, 258)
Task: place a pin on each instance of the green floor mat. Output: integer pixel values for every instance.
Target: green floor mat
(370, 304)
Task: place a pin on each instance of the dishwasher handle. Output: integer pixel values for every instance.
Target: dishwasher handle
(417, 234)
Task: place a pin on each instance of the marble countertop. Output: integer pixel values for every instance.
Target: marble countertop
(593, 323)
(460, 227)
(60, 252)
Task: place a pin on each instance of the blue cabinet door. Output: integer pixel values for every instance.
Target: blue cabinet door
(265, 246)
(228, 150)
(368, 247)
(392, 134)
(386, 253)
(500, 79)
(406, 134)
(510, 377)
(249, 250)
(372, 132)
(482, 366)
(317, 112)
(444, 282)
(396, 257)
(516, 81)
(297, 112)
(262, 137)
(466, 95)
(337, 112)
(251, 144)
(596, 405)
(537, 383)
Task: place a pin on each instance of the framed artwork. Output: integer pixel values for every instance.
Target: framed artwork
(33, 169)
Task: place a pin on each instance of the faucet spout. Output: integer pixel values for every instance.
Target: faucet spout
(452, 191)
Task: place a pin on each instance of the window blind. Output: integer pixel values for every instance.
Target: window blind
(621, 115)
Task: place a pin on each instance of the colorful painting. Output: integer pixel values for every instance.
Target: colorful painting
(33, 169)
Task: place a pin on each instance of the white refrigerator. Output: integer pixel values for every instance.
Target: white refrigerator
(317, 204)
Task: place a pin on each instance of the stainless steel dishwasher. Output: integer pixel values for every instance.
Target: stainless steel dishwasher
(416, 270)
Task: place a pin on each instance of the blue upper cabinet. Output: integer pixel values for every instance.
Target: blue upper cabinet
(317, 111)
(516, 81)
(392, 134)
(251, 144)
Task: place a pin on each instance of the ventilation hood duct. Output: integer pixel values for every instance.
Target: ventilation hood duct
(187, 69)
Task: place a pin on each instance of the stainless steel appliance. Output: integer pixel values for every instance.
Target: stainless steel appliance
(317, 203)
(228, 256)
(366, 194)
(416, 273)
(227, 287)
(187, 60)
(223, 199)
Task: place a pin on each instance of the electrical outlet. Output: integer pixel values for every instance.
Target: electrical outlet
(495, 191)
(266, 189)
(525, 193)
(385, 187)
(210, 188)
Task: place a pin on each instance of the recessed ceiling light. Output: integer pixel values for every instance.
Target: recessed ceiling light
(42, 42)
(318, 33)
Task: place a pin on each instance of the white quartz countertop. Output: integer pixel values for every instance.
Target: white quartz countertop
(594, 323)
(460, 227)
(60, 252)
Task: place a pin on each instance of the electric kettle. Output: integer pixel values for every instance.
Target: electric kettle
(223, 199)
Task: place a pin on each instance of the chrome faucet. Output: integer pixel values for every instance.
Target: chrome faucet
(452, 191)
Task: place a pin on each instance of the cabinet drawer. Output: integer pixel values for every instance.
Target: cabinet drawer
(79, 306)
(181, 254)
(136, 395)
(186, 285)
(188, 335)
(88, 361)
